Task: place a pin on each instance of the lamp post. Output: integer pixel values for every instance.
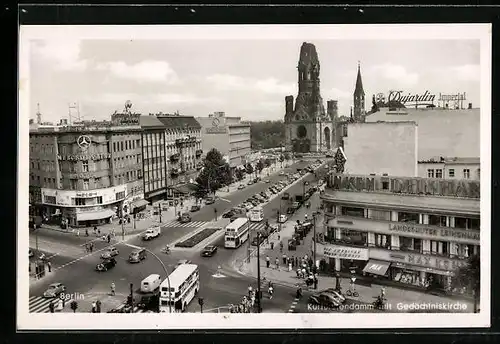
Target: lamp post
(304, 188)
(166, 273)
(314, 237)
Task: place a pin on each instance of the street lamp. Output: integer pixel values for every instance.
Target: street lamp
(304, 188)
(168, 278)
(314, 237)
(258, 297)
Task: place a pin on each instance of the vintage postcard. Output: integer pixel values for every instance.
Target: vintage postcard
(262, 176)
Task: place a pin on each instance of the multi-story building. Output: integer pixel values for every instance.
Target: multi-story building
(154, 158)
(84, 174)
(183, 150)
(409, 230)
(229, 135)
(450, 168)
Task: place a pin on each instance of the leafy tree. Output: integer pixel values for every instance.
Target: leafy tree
(260, 166)
(469, 276)
(287, 156)
(267, 162)
(239, 174)
(215, 172)
(249, 168)
(268, 134)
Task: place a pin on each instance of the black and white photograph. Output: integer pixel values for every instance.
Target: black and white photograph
(254, 176)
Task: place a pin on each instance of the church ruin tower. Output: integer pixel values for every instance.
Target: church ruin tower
(359, 99)
(307, 126)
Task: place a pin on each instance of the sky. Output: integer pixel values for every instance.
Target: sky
(246, 78)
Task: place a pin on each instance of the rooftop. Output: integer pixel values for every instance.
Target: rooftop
(182, 122)
(452, 160)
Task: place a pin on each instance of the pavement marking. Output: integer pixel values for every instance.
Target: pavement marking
(225, 200)
(133, 246)
(39, 304)
(293, 305)
(193, 224)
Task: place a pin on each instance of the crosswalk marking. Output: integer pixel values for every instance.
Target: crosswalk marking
(133, 246)
(39, 304)
(293, 305)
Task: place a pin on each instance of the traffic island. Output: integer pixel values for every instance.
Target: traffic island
(197, 238)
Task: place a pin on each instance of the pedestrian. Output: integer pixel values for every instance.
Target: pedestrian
(94, 306)
(250, 291)
(98, 232)
(113, 288)
(296, 261)
(95, 229)
(303, 272)
(91, 247)
(290, 266)
(51, 307)
(277, 262)
(272, 244)
(78, 232)
(315, 282)
(279, 238)
(128, 219)
(49, 265)
(86, 232)
(268, 261)
(109, 238)
(284, 258)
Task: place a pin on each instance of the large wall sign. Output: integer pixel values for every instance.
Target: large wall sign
(72, 157)
(65, 197)
(343, 252)
(414, 186)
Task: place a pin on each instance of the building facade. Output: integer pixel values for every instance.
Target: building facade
(84, 175)
(413, 231)
(229, 135)
(308, 128)
(183, 150)
(450, 168)
(154, 158)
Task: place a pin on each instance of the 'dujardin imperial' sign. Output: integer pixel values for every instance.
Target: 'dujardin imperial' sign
(412, 186)
(98, 156)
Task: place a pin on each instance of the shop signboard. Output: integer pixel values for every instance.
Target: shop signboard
(66, 197)
(409, 186)
(417, 259)
(342, 252)
(444, 233)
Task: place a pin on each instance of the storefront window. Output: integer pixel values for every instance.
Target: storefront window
(351, 211)
(408, 217)
(379, 215)
(437, 220)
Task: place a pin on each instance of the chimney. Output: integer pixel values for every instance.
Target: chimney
(288, 104)
(331, 108)
(470, 106)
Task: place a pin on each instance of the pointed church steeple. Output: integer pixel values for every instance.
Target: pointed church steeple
(359, 97)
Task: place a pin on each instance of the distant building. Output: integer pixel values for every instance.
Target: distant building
(229, 135)
(450, 168)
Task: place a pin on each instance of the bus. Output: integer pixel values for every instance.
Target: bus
(237, 233)
(184, 285)
(256, 214)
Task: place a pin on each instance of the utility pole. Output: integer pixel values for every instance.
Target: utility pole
(159, 210)
(132, 297)
(259, 305)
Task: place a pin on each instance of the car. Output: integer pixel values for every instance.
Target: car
(264, 195)
(194, 208)
(335, 293)
(241, 187)
(255, 203)
(324, 299)
(209, 200)
(249, 206)
(182, 261)
(250, 182)
(30, 253)
(209, 251)
(267, 181)
(106, 264)
(54, 290)
(256, 241)
(110, 252)
(228, 214)
(282, 218)
(185, 218)
(137, 255)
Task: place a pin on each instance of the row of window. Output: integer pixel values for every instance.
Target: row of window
(120, 146)
(65, 149)
(46, 165)
(128, 160)
(42, 148)
(154, 185)
(401, 243)
(408, 217)
(438, 173)
(153, 162)
(128, 177)
(154, 139)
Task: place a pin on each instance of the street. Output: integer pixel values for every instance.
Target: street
(75, 268)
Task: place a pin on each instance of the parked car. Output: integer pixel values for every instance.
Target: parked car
(54, 290)
(195, 208)
(209, 251)
(256, 241)
(250, 182)
(282, 218)
(335, 293)
(241, 187)
(110, 252)
(228, 214)
(106, 264)
(324, 299)
(209, 200)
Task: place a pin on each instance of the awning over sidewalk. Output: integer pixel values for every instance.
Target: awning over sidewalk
(94, 215)
(377, 267)
(139, 203)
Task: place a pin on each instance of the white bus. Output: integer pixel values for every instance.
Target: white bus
(184, 285)
(256, 214)
(237, 233)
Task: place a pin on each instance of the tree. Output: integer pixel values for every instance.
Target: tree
(260, 166)
(74, 305)
(468, 276)
(239, 174)
(215, 172)
(268, 134)
(287, 156)
(249, 168)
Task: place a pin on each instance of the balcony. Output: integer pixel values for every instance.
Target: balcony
(175, 157)
(199, 152)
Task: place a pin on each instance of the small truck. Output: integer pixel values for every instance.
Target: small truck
(152, 233)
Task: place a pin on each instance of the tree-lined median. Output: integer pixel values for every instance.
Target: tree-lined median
(197, 238)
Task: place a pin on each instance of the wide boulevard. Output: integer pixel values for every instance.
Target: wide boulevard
(75, 268)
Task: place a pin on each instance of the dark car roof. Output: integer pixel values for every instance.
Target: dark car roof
(209, 247)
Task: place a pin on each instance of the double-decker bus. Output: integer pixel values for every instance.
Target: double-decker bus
(237, 233)
(184, 285)
(256, 214)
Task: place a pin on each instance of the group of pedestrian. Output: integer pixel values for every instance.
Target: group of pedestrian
(307, 271)
(89, 247)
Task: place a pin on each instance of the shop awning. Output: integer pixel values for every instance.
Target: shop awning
(140, 203)
(377, 267)
(94, 215)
